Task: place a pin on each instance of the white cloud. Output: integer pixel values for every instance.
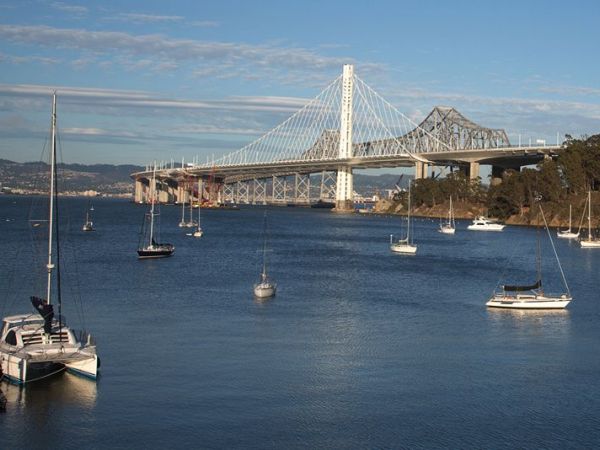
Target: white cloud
(146, 18)
(295, 64)
(73, 9)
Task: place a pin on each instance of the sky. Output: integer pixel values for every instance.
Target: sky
(148, 80)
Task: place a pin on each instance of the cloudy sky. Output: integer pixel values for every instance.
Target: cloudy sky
(145, 80)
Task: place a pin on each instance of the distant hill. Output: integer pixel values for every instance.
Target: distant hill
(33, 176)
(115, 179)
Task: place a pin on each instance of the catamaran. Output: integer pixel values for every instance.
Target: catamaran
(449, 227)
(265, 288)
(568, 233)
(532, 296)
(591, 241)
(37, 345)
(406, 245)
(151, 248)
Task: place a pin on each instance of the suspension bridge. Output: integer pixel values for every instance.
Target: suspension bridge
(347, 126)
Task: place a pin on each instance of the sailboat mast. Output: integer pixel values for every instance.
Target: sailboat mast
(570, 210)
(152, 194)
(50, 264)
(590, 216)
(408, 217)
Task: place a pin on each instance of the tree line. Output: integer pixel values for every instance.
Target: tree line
(558, 181)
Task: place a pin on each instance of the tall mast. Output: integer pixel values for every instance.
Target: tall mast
(50, 264)
(153, 193)
(589, 216)
(408, 217)
(570, 207)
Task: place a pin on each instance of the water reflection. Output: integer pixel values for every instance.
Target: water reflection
(66, 389)
(555, 323)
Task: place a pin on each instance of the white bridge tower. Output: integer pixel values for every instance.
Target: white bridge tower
(344, 188)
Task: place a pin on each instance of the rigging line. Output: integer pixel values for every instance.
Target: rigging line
(555, 254)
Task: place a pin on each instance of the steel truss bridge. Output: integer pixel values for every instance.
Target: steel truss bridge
(347, 126)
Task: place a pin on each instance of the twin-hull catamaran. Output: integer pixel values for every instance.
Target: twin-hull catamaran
(405, 246)
(532, 296)
(36, 346)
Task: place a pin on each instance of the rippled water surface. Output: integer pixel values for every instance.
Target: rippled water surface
(361, 348)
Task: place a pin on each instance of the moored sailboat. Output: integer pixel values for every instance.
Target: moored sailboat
(532, 296)
(568, 233)
(449, 227)
(150, 248)
(36, 346)
(265, 288)
(88, 225)
(591, 241)
(198, 232)
(405, 246)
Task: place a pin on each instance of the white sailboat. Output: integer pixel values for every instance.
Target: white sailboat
(568, 233)
(189, 223)
(405, 246)
(150, 248)
(36, 346)
(532, 296)
(449, 227)
(198, 231)
(88, 225)
(591, 241)
(265, 288)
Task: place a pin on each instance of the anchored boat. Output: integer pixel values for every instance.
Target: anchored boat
(37, 345)
(532, 296)
(265, 288)
(405, 246)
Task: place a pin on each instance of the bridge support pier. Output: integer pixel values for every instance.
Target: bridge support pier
(302, 189)
(139, 191)
(421, 170)
(345, 189)
(473, 170)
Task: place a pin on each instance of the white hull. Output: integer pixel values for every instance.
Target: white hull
(590, 244)
(488, 227)
(567, 235)
(407, 249)
(34, 364)
(447, 230)
(198, 233)
(528, 302)
(264, 290)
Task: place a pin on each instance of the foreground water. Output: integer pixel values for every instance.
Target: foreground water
(361, 348)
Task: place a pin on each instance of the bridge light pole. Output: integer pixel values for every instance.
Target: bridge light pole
(345, 188)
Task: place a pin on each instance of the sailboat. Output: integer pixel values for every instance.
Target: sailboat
(183, 223)
(532, 296)
(265, 288)
(198, 231)
(590, 242)
(405, 246)
(88, 225)
(449, 227)
(568, 233)
(151, 248)
(36, 346)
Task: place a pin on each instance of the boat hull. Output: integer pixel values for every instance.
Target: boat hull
(447, 230)
(263, 290)
(162, 251)
(589, 244)
(528, 302)
(406, 249)
(489, 227)
(21, 370)
(567, 235)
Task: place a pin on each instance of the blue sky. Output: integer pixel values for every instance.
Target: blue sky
(145, 80)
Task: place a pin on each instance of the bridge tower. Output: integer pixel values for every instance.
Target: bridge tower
(344, 190)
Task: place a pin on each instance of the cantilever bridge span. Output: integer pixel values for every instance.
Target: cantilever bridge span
(348, 126)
